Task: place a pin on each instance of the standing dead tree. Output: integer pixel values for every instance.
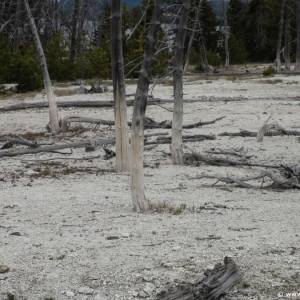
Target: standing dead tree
(226, 36)
(196, 26)
(53, 111)
(176, 147)
(121, 128)
(297, 66)
(75, 29)
(287, 36)
(278, 51)
(139, 201)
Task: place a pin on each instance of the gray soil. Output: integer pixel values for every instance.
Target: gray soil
(68, 231)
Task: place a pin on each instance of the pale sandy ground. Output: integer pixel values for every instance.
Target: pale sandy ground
(61, 250)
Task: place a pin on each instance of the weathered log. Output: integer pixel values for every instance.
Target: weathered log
(148, 124)
(215, 283)
(246, 133)
(94, 103)
(278, 181)
(10, 141)
(81, 144)
(185, 138)
(191, 158)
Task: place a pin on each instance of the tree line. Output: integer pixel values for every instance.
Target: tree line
(76, 39)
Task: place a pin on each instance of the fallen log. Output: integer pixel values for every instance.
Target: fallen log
(215, 283)
(185, 138)
(10, 141)
(81, 144)
(246, 133)
(278, 182)
(191, 158)
(83, 103)
(149, 123)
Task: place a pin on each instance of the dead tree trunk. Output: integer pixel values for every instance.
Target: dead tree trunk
(297, 66)
(278, 51)
(226, 36)
(195, 28)
(121, 128)
(287, 37)
(140, 203)
(176, 148)
(74, 35)
(53, 111)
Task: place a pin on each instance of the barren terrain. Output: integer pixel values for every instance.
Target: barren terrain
(67, 228)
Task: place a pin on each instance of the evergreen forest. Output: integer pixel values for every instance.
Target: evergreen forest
(76, 37)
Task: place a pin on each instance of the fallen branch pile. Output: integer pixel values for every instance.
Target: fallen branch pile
(81, 144)
(149, 123)
(246, 133)
(277, 180)
(215, 283)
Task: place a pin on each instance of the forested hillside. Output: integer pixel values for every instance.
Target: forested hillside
(77, 42)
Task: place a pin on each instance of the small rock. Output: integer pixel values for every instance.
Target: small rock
(4, 269)
(70, 294)
(176, 248)
(112, 237)
(143, 294)
(85, 290)
(16, 233)
(126, 235)
(100, 297)
(135, 294)
(149, 288)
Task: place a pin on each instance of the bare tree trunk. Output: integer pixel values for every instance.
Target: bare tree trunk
(74, 37)
(117, 62)
(53, 111)
(297, 66)
(278, 51)
(17, 26)
(287, 34)
(196, 27)
(226, 36)
(176, 147)
(139, 201)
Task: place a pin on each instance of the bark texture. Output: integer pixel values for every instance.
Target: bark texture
(139, 201)
(176, 147)
(53, 111)
(121, 128)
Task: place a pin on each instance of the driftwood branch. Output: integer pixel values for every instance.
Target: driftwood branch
(267, 127)
(246, 133)
(215, 283)
(10, 141)
(81, 144)
(94, 103)
(190, 159)
(277, 180)
(149, 123)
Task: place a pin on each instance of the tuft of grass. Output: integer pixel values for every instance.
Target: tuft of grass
(270, 81)
(270, 71)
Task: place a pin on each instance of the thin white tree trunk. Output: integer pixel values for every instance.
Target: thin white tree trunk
(287, 34)
(139, 201)
(297, 66)
(196, 27)
(176, 146)
(226, 36)
(278, 51)
(53, 111)
(121, 128)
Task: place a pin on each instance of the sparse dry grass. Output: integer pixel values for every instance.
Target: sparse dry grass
(66, 92)
(269, 81)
